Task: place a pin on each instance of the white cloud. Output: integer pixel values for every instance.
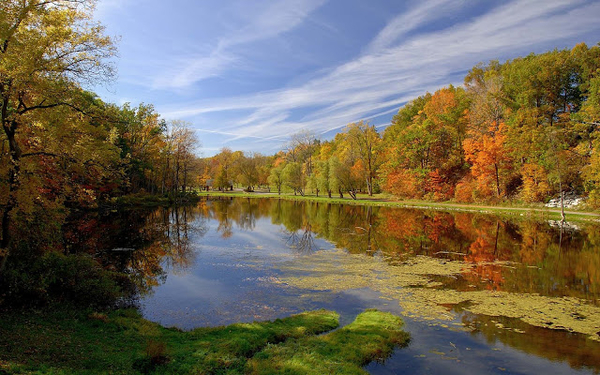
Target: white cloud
(270, 21)
(396, 68)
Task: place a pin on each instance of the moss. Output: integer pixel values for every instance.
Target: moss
(88, 342)
(372, 336)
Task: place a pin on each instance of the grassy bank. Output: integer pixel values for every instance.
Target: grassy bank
(381, 200)
(78, 342)
(153, 200)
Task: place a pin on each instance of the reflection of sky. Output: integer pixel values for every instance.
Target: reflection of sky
(233, 280)
(230, 280)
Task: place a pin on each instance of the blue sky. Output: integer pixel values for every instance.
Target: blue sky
(246, 74)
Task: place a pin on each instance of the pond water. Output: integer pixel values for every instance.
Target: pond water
(478, 294)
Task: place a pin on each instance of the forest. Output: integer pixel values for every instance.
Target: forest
(524, 130)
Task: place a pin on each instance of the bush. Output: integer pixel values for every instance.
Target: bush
(58, 278)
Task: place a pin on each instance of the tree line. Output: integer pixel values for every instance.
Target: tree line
(523, 130)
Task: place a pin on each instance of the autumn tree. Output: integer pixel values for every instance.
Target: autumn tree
(248, 170)
(46, 49)
(276, 177)
(223, 167)
(184, 143)
(142, 137)
(427, 147)
(490, 160)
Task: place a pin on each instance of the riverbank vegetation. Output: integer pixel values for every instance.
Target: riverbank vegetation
(83, 342)
(535, 211)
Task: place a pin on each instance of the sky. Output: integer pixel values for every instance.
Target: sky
(247, 74)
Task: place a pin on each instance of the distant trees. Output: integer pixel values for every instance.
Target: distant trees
(525, 129)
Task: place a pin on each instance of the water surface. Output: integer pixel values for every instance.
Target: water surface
(478, 294)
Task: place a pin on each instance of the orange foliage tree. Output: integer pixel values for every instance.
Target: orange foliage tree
(490, 162)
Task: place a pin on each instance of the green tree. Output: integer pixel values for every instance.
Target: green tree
(293, 177)
(365, 141)
(276, 177)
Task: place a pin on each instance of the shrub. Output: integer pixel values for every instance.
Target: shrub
(58, 278)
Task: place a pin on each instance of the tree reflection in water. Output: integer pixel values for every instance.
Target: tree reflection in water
(145, 244)
(524, 256)
(515, 256)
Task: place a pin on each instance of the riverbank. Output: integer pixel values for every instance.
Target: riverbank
(380, 200)
(72, 341)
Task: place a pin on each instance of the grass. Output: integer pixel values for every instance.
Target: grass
(68, 341)
(384, 200)
(372, 336)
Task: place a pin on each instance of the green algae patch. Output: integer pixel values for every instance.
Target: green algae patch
(413, 283)
(372, 336)
(122, 342)
(566, 313)
(337, 270)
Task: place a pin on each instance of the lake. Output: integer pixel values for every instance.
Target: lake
(479, 294)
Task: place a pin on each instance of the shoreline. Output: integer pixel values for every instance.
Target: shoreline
(527, 212)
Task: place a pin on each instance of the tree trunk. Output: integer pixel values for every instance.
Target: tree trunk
(562, 204)
(352, 194)
(497, 179)
(341, 194)
(13, 183)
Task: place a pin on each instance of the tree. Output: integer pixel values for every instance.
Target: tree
(293, 177)
(427, 147)
(184, 144)
(143, 136)
(248, 171)
(46, 48)
(223, 167)
(490, 159)
(276, 177)
(365, 140)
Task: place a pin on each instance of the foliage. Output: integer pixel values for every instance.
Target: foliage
(55, 278)
(523, 130)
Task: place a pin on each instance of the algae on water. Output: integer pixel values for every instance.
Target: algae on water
(413, 284)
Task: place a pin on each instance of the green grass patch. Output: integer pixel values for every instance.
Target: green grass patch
(371, 337)
(71, 341)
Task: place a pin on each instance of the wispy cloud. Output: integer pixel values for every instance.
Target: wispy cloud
(399, 65)
(269, 21)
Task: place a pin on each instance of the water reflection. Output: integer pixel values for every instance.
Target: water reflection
(515, 256)
(145, 244)
(219, 257)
